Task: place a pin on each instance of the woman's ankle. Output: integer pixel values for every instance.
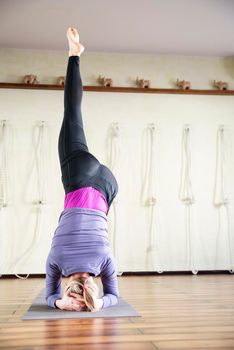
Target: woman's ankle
(73, 54)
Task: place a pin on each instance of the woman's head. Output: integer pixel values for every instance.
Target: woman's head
(85, 287)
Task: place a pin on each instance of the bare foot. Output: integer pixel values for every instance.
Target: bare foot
(75, 48)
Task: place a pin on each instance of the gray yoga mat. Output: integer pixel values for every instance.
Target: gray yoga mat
(40, 311)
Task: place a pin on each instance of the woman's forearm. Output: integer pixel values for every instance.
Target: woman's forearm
(109, 300)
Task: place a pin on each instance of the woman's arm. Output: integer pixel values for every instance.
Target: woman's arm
(54, 297)
(110, 284)
(53, 282)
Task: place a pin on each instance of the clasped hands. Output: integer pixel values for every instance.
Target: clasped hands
(75, 302)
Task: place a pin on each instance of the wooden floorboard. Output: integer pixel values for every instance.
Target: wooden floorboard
(178, 312)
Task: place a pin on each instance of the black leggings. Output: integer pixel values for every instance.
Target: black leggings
(78, 166)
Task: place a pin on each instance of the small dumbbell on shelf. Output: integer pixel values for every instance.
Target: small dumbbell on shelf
(60, 80)
(183, 85)
(221, 85)
(143, 83)
(30, 79)
(105, 81)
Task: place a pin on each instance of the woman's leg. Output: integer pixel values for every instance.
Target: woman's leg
(78, 165)
(72, 137)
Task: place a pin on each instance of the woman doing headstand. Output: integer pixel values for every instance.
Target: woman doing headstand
(80, 247)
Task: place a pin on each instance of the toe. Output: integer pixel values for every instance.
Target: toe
(69, 32)
(75, 33)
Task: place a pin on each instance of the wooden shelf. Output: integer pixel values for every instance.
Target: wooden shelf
(119, 89)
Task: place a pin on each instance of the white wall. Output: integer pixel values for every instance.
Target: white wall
(24, 108)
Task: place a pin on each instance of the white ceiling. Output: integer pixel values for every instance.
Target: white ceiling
(184, 27)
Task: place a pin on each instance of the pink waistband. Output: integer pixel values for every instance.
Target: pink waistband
(86, 197)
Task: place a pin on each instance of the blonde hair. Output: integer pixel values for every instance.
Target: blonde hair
(85, 287)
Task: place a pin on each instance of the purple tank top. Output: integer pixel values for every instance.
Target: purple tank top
(86, 197)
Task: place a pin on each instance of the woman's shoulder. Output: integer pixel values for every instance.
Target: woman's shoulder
(108, 264)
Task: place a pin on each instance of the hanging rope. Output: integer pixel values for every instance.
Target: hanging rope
(3, 175)
(40, 157)
(186, 193)
(149, 197)
(220, 197)
(114, 150)
(40, 148)
(6, 187)
(3, 170)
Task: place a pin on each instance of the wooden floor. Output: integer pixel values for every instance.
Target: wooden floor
(178, 312)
